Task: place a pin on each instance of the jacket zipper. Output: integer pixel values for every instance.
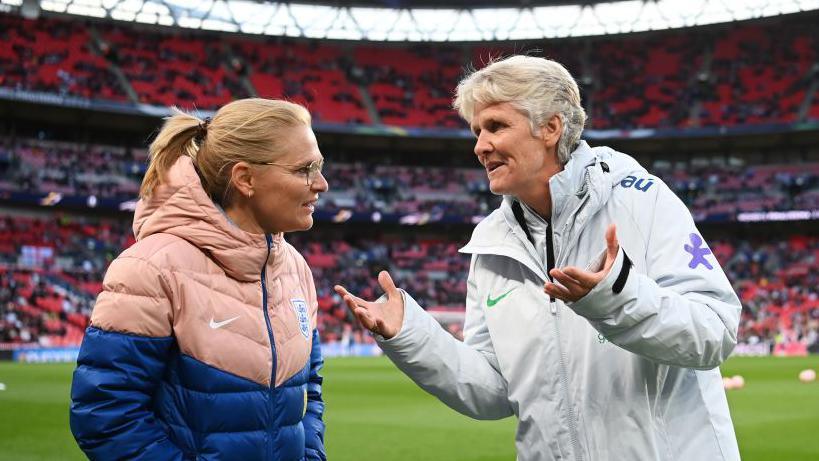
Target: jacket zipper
(550, 264)
(267, 315)
(564, 379)
(269, 240)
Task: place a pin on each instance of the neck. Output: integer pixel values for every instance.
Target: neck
(539, 197)
(243, 219)
(540, 201)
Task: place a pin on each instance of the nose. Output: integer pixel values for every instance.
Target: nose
(483, 146)
(320, 184)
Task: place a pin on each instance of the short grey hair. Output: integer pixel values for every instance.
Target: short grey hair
(538, 87)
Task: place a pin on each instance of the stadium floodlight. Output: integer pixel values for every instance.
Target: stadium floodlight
(295, 19)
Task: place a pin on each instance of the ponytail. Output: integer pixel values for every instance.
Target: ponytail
(180, 135)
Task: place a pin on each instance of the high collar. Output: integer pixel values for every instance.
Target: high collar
(181, 207)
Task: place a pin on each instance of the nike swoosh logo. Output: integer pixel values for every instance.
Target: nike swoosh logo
(215, 325)
(491, 302)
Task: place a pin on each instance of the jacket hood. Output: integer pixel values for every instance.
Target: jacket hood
(180, 206)
(591, 172)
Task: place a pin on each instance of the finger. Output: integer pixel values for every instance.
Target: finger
(341, 291)
(385, 280)
(365, 318)
(557, 291)
(564, 278)
(349, 300)
(576, 288)
(354, 303)
(344, 294)
(361, 311)
(612, 245)
(585, 278)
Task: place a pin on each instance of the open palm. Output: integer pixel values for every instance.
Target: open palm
(384, 318)
(573, 283)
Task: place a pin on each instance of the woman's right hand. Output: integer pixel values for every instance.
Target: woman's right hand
(384, 318)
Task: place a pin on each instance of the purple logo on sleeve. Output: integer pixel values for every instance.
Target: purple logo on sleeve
(698, 252)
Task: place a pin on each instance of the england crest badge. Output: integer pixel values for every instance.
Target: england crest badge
(300, 308)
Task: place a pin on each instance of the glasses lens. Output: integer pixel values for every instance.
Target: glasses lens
(313, 171)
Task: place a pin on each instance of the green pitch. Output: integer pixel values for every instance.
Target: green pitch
(374, 412)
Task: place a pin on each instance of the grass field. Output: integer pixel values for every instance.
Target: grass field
(374, 412)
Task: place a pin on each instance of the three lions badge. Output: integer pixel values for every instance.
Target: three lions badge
(300, 308)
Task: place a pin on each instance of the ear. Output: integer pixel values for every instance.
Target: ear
(551, 130)
(241, 177)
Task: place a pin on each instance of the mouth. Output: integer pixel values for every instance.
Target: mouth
(493, 166)
(311, 205)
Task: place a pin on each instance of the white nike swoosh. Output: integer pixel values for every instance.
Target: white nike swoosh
(216, 325)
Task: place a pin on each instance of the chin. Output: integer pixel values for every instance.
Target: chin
(307, 224)
(498, 189)
(294, 227)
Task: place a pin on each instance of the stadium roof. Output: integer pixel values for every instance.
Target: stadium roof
(424, 24)
(458, 4)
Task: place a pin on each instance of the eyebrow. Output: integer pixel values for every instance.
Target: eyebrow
(488, 121)
(307, 163)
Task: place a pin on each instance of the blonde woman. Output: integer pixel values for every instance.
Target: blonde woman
(203, 343)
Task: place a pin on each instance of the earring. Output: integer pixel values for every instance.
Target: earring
(250, 193)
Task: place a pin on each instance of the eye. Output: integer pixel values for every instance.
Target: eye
(495, 126)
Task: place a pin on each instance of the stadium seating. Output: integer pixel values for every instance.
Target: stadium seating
(759, 74)
(52, 267)
(314, 74)
(173, 69)
(778, 285)
(750, 74)
(71, 168)
(713, 190)
(50, 272)
(54, 56)
(411, 86)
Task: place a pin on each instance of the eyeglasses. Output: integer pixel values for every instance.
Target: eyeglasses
(310, 171)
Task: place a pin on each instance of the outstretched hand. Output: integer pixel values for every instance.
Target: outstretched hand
(385, 318)
(573, 283)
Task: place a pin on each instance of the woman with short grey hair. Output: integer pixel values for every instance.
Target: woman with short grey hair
(595, 312)
(537, 87)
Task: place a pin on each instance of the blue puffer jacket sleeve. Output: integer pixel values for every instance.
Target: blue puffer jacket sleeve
(111, 415)
(313, 424)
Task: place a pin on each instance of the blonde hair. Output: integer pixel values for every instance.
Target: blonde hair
(246, 130)
(538, 87)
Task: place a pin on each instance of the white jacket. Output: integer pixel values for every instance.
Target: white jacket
(626, 373)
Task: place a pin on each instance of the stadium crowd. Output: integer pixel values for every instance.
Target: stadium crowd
(70, 168)
(749, 74)
(51, 268)
(713, 190)
(778, 285)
